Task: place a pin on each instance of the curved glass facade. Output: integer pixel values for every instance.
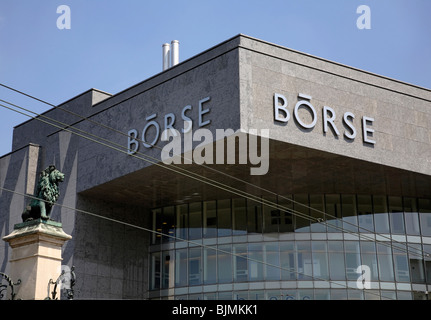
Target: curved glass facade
(362, 247)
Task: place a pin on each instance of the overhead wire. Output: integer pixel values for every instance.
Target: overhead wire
(262, 200)
(211, 181)
(277, 206)
(337, 283)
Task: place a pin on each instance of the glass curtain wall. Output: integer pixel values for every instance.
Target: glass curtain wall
(231, 232)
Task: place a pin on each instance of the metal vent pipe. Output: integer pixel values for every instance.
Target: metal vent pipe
(175, 53)
(166, 56)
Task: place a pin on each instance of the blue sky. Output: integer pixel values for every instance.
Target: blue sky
(113, 45)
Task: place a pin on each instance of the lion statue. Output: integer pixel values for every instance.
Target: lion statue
(47, 193)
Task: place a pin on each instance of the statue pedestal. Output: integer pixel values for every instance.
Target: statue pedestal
(36, 257)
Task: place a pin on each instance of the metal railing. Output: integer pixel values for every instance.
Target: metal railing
(4, 287)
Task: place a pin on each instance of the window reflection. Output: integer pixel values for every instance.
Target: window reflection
(349, 213)
(381, 218)
(239, 213)
(369, 258)
(300, 207)
(195, 267)
(365, 216)
(396, 215)
(241, 259)
(329, 213)
(272, 258)
(240, 262)
(224, 264)
(333, 210)
(320, 260)
(288, 261)
(425, 216)
(353, 259)
(337, 266)
(411, 216)
(384, 255)
(401, 263)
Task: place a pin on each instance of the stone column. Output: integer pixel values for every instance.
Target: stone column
(36, 257)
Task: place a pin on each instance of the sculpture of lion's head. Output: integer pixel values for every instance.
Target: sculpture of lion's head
(47, 188)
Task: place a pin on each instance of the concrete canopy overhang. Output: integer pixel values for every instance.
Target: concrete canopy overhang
(293, 169)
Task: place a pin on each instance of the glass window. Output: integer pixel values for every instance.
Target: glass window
(333, 210)
(320, 260)
(168, 223)
(412, 223)
(417, 267)
(210, 219)
(404, 295)
(256, 295)
(181, 267)
(272, 295)
(255, 265)
(157, 225)
(396, 215)
(305, 263)
(155, 271)
(239, 213)
(209, 264)
(354, 294)
(182, 221)
(290, 294)
(417, 270)
(254, 216)
(322, 294)
(411, 216)
(372, 295)
(427, 261)
(271, 215)
(210, 296)
(317, 211)
(224, 218)
(381, 219)
(384, 256)
(224, 263)
(425, 216)
(195, 267)
(272, 258)
(240, 295)
(240, 262)
(168, 268)
(337, 268)
(225, 295)
(338, 294)
(287, 259)
(348, 209)
(353, 259)
(388, 295)
(195, 220)
(401, 263)
(305, 294)
(365, 214)
(286, 217)
(300, 207)
(369, 258)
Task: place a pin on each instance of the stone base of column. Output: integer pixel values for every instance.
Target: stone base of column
(36, 256)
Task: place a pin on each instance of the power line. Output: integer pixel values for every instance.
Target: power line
(199, 244)
(268, 203)
(220, 185)
(317, 220)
